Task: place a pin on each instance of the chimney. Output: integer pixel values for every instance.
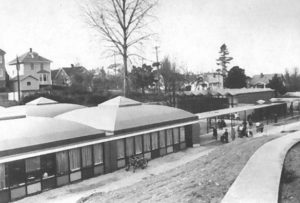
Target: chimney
(30, 50)
(261, 75)
(72, 65)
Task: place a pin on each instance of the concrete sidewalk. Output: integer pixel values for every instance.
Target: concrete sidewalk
(259, 180)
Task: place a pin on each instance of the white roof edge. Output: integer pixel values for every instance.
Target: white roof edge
(63, 148)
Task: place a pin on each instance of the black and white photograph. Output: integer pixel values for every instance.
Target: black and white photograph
(129, 101)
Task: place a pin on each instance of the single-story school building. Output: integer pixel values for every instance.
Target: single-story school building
(39, 153)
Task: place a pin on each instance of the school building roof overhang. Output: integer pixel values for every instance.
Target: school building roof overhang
(220, 112)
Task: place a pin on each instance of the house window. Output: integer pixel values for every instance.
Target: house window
(28, 83)
(1, 72)
(33, 166)
(98, 154)
(1, 59)
(129, 146)
(162, 138)
(45, 77)
(32, 66)
(86, 154)
(3, 177)
(74, 158)
(42, 66)
(16, 172)
(138, 144)
(154, 140)
(48, 165)
(62, 163)
(120, 149)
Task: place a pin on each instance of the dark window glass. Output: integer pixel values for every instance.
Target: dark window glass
(32, 168)
(16, 172)
(48, 165)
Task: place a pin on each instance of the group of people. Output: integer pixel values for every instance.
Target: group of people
(224, 136)
(243, 130)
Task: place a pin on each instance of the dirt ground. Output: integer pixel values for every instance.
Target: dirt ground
(206, 179)
(290, 180)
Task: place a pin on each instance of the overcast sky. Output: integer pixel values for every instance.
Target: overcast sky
(261, 35)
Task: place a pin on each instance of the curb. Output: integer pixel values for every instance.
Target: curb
(259, 180)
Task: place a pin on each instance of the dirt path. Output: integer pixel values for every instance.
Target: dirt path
(290, 180)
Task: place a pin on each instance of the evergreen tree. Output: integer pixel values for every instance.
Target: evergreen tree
(224, 59)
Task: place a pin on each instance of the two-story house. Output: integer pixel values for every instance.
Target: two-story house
(2, 70)
(34, 72)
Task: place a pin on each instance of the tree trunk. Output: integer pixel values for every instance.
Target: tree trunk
(126, 88)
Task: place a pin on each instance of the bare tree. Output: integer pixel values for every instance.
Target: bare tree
(121, 23)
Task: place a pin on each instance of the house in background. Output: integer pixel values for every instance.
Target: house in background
(2, 70)
(68, 76)
(262, 80)
(34, 72)
(207, 81)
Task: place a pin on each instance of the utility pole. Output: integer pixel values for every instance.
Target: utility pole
(18, 77)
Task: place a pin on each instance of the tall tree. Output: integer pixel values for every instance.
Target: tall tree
(277, 84)
(236, 78)
(142, 77)
(122, 24)
(173, 80)
(224, 59)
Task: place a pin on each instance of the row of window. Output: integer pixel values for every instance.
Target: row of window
(60, 168)
(32, 66)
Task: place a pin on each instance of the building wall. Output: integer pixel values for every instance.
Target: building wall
(250, 98)
(33, 175)
(34, 85)
(34, 72)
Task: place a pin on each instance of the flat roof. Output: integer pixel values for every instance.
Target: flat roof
(221, 112)
(32, 133)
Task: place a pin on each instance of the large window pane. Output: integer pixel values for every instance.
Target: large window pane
(169, 137)
(62, 163)
(48, 165)
(32, 168)
(154, 140)
(182, 134)
(86, 154)
(162, 138)
(147, 143)
(16, 172)
(2, 176)
(129, 146)
(176, 135)
(138, 144)
(98, 153)
(74, 157)
(121, 149)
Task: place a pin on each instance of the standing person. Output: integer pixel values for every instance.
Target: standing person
(257, 125)
(224, 137)
(261, 127)
(215, 133)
